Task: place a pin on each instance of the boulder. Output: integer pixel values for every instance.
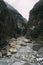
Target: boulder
(23, 44)
(12, 42)
(41, 49)
(25, 40)
(37, 46)
(17, 55)
(13, 50)
(8, 53)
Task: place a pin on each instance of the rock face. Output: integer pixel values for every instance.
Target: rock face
(11, 22)
(35, 23)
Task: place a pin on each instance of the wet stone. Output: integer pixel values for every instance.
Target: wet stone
(37, 46)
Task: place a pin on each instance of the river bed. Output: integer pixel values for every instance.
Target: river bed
(29, 54)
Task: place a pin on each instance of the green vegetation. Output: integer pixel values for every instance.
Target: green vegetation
(36, 20)
(10, 21)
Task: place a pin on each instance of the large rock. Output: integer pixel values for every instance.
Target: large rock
(8, 54)
(12, 42)
(37, 46)
(13, 50)
(40, 52)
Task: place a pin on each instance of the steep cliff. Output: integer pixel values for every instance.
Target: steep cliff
(35, 23)
(12, 23)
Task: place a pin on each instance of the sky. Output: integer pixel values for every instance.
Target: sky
(23, 6)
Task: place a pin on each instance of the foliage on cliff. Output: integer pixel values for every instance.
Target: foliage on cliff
(35, 23)
(11, 21)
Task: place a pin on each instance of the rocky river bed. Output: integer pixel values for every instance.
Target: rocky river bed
(22, 51)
